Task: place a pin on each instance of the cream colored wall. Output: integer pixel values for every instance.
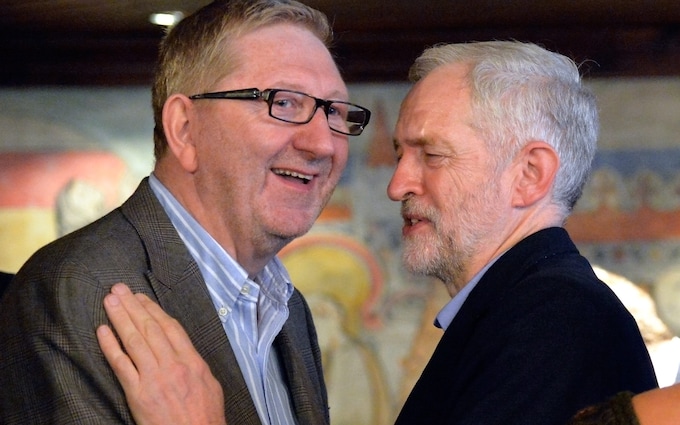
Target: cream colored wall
(639, 113)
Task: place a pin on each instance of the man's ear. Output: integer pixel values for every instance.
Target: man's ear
(177, 118)
(536, 167)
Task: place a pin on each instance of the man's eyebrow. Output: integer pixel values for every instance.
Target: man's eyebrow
(334, 95)
(418, 142)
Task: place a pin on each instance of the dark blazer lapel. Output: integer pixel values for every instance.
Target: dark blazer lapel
(189, 302)
(181, 291)
(296, 352)
(507, 271)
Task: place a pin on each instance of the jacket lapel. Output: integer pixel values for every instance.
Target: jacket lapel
(299, 382)
(181, 291)
(300, 359)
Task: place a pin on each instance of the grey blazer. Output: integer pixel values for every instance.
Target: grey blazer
(51, 367)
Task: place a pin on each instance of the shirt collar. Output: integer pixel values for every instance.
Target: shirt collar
(215, 263)
(451, 309)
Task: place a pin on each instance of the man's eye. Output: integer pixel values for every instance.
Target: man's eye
(283, 103)
(337, 110)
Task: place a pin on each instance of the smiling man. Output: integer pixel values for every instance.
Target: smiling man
(494, 144)
(252, 122)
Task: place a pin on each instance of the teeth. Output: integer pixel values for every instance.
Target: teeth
(281, 172)
(413, 221)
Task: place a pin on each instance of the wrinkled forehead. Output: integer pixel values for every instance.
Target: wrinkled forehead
(287, 56)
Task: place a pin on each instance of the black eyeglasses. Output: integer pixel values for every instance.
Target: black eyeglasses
(299, 108)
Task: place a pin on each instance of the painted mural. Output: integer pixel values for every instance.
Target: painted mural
(68, 156)
(45, 195)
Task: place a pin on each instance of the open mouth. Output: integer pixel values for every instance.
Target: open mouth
(411, 220)
(304, 178)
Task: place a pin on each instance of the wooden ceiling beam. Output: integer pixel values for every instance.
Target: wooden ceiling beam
(364, 56)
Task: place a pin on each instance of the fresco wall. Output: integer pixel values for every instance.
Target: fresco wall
(69, 155)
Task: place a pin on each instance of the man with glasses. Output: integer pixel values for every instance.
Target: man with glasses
(494, 144)
(252, 122)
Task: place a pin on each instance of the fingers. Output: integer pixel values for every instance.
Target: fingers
(173, 331)
(143, 338)
(121, 364)
(164, 378)
(150, 336)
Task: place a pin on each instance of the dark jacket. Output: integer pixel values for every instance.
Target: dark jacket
(5, 279)
(537, 339)
(51, 367)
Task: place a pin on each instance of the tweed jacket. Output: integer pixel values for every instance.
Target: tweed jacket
(537, 339)
(51, 367)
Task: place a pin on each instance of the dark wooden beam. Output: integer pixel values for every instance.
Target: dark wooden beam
(86, 58)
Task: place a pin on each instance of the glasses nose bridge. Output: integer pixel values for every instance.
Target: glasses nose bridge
(323, 104)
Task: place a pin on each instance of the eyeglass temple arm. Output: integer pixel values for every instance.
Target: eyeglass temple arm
(252, 93)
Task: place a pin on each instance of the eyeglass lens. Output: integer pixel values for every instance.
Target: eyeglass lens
(300, 108)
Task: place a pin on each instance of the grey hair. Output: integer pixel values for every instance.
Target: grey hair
(520, 93)
(199, 50)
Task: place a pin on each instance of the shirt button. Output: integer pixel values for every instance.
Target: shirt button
(223, 311)
(245, 289)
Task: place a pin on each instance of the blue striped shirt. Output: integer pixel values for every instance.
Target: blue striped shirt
(252, 312)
